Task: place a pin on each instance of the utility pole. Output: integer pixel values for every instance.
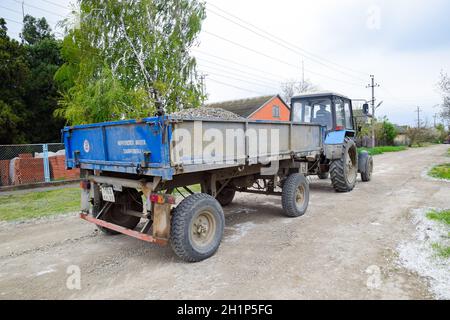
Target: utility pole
(373, 85)
(23, 10)
(418, 117)
(435, 118)
(202, 83)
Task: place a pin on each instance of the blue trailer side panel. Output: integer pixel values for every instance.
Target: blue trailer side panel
(124, 146)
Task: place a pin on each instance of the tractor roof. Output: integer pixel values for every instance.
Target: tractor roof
(319, 94)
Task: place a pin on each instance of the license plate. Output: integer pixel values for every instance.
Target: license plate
(304, 167)
(108, 194)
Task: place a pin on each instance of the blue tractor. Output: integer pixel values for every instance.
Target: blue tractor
(340, 159)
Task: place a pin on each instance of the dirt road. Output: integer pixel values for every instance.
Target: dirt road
(334, 251)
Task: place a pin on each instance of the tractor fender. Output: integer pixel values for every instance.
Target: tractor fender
(333, 144)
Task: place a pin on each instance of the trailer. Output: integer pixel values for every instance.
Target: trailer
(131, 171)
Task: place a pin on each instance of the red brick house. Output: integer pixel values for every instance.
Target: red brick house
(260, 108)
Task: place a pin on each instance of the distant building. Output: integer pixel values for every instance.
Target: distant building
(259, 108)
(402, 138)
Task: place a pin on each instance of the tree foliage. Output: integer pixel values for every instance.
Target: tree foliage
(28, 97)
(293, 87)
(444, 85)
(128, 55)
(14, 73)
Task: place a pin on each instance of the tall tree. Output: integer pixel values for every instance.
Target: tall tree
(128, 55)
(35, 30)
(14, 73)
(444, 85)
(293, 87)
(43, 58)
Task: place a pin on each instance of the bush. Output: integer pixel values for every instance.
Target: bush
(422, 136)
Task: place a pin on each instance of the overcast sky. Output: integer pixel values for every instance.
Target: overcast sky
(404, 43)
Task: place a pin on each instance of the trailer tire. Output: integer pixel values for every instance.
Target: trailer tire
(226, 196)
(295, 195)
(324, 175)
(115, 215)
(345, 170)
(197, 225)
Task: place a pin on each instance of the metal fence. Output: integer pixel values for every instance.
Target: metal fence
(33, 163)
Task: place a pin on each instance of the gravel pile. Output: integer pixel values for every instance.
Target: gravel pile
(207, 114)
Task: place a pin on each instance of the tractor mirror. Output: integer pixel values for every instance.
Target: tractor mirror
(366, 108)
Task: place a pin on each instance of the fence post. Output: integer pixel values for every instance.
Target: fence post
(46, 163)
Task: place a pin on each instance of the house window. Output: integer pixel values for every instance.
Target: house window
(276, 111)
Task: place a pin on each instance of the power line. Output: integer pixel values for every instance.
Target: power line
(41, 9)
(277, 59)
(56, 4)
(227, 67)
(288, 47)
(12, 10)
(237, 63)
(13, 21)
(242, 74)
(240, 79)
(306, 52)
(236, 87)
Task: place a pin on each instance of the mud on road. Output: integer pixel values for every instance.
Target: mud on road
(343, 248)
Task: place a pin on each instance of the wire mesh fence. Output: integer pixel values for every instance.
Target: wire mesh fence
(33, 163)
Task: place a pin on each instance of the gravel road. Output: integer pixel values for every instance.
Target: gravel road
(343, 248)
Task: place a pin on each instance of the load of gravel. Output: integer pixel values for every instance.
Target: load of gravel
(205, 113)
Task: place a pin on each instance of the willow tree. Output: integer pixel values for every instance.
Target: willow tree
(125, 57)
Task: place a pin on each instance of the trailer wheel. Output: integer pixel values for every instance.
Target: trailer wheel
(295, 195)
(345, 170)
(226, 196)
(324, 175)
(128, 199)
(197, 227)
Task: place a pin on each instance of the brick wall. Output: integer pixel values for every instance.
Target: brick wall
(28, 169)
(58, 169)
(4, 172)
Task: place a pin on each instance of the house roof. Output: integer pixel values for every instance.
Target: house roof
(245, 107)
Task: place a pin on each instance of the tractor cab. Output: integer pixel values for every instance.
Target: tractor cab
(331, 110)
(340, 159)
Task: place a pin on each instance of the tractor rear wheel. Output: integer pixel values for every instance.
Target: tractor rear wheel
(345, 170)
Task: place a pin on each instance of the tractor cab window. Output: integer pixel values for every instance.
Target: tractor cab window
(340, 114)
(313, 111)
(348, 116)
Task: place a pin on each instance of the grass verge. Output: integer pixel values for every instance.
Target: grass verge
(383, 149)
(443, 217)
(37, 204)
(441, 171)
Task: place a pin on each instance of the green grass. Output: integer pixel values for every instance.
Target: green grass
(444, 217)
(383, 149)
(39, 204)
(441, 171)
(442, 251)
